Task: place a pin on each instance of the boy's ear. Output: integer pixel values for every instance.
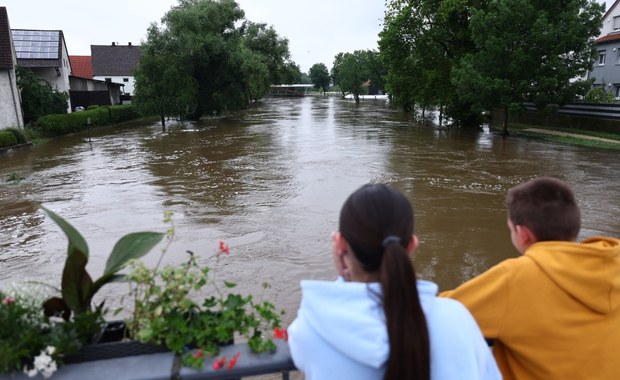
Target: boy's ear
(525, 235)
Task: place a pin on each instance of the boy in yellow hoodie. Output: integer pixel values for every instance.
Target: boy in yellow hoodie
(554, 312)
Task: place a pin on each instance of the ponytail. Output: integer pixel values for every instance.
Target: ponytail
(369, 215)
(406, 325)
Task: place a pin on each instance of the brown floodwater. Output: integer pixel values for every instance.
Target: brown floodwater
(270, 183)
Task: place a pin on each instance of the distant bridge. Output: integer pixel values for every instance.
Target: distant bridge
(290, 89)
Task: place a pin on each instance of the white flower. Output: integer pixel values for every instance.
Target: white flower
(43, 364)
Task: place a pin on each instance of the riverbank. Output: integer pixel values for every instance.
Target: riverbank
(565, 135)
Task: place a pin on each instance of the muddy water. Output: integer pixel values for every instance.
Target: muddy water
(270, 183)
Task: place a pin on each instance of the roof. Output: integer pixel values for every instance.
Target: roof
(38, 48)
(610, 8)
(114, 60)
(82, 66)
(608, 38)
(6, 51)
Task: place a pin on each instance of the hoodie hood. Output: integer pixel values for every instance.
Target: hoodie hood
(589, 271)
(346, 318)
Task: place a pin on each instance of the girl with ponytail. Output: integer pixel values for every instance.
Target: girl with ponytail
(377, 321)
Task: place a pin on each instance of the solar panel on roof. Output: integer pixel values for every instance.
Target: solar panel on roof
(36, 44)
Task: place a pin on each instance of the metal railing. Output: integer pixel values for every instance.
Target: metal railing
(165, 366)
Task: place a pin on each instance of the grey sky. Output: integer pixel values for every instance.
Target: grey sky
(316, 29)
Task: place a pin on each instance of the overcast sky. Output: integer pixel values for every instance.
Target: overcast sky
(317, 30)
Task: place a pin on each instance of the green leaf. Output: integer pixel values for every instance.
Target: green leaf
(131, 246)
(229, 284)
(76, 283)
(77, 244)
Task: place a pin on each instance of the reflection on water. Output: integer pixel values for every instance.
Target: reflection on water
(271, 182)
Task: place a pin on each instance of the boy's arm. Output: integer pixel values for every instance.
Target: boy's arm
(487, 298)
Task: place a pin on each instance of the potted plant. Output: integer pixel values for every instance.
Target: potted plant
(41, 331)
(186, 309)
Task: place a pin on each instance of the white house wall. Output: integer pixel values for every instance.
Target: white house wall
(10, 106)
(129, 85)
(608, 21)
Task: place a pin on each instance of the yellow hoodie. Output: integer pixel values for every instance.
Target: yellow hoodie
(554, 312)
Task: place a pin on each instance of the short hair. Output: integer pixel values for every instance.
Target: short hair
(547, 206)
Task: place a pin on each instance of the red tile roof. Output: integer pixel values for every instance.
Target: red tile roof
(82, 66)
(607, 38)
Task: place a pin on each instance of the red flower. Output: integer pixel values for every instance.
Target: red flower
(8, 301)
(280, 334)
(198, 354)
(233, 362)
(219, 363)
(224, 248)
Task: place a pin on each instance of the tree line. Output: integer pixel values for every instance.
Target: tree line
(467, 56)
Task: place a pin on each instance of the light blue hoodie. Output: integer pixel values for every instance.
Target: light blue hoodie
(340, 333)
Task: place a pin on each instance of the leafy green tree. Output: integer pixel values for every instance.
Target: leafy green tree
(420, 43)
(164, 82)
(221, 61)
(38, 96)
(292, 73)
(528, 50)
(319, 76)
(351, 73)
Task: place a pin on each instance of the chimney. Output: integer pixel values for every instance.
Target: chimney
(129, 43)
(113, 43)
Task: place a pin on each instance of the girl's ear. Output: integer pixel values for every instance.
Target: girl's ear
(413, 244)
(340, 248)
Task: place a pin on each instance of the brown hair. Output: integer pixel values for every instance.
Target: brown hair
(377, 222)
(547, 206)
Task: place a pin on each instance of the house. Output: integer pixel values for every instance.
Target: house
(87, 92)
(606, 68)
(81, 66)
(116, 63)
(10, 101)
(45, 53)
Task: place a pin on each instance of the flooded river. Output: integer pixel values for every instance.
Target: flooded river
(271, 182)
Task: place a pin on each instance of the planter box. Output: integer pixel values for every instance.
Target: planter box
(109, 344)
(112, 350)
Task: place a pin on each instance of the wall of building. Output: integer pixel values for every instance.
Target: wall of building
(607, 74)
(129, 85)
(10, 105)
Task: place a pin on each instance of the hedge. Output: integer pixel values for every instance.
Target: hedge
(7, 138)
(58, 125)
(19, 135)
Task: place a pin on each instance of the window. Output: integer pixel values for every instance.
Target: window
(616, 25)
(617, 90)
(125, 80)
(108, 79)
(601, 57)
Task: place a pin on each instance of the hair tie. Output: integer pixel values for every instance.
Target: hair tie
(390, 239)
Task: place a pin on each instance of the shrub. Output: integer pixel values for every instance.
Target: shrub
(59, 125)
(7, 139)
(19, 135)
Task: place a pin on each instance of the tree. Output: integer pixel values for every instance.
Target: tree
(164, 84)
(205, 58)
(319, 76)
(351, 72)
(38, 97)
(529, 51)
(420, 43)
